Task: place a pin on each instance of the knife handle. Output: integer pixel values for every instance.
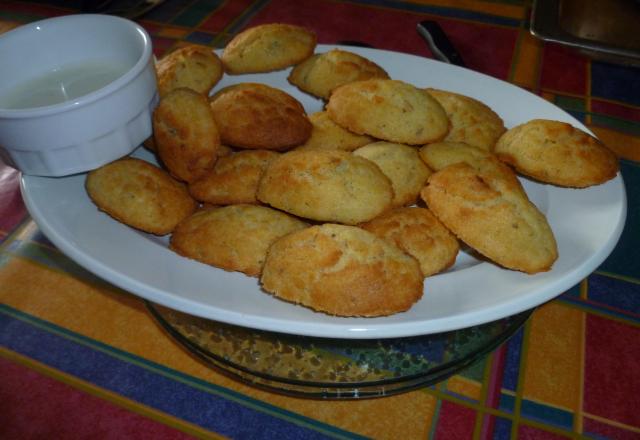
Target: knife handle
(439, 43)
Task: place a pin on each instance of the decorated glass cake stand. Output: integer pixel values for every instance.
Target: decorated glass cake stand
(334, 368)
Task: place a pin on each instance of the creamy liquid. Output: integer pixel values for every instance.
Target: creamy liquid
(60, 85)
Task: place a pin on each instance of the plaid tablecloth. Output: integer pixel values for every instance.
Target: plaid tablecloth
(80, 358)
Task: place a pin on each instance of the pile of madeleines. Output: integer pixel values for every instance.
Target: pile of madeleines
(347, 210)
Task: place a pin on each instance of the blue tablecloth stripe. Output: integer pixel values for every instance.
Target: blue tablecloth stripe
(194, 400)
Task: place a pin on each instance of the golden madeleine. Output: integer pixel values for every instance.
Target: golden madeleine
(319, 74)
(186, 136)
(342, 270)
(326, 185)
(268, 47)
(327, 135)
(492, 218)
(389, 110)
(234, 237)
(558, 153)
(140, 195)
(472, 121)
(402, 165)
(234, 179)
(420, 234)
(258, 116)
(193, 66)
(442, 154)
(439, 155)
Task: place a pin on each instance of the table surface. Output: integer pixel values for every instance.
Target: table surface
(80, 358)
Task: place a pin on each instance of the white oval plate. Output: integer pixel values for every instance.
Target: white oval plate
(587, 224)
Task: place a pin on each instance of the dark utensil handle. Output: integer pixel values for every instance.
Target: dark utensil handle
(439, 43)
(354, 43)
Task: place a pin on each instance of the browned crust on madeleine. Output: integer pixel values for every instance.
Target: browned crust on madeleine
(234, 179)
(140, 195)
(489, 216)
(420, 234)
(257, 116)
(558, 153)
(321, 73)
(234, 237)
(472, 121)
(268, 47)
(402, 165)
(326, 185)
(185, 134)
(193, 66)
(327, 135)
(342, 270)
(440, 155)
(390, 110)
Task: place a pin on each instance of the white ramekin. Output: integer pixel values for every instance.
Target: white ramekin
(86, 132)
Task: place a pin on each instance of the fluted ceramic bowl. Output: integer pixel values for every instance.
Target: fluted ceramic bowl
(76, 92)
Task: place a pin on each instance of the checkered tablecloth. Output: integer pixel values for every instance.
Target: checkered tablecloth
(80, 358)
